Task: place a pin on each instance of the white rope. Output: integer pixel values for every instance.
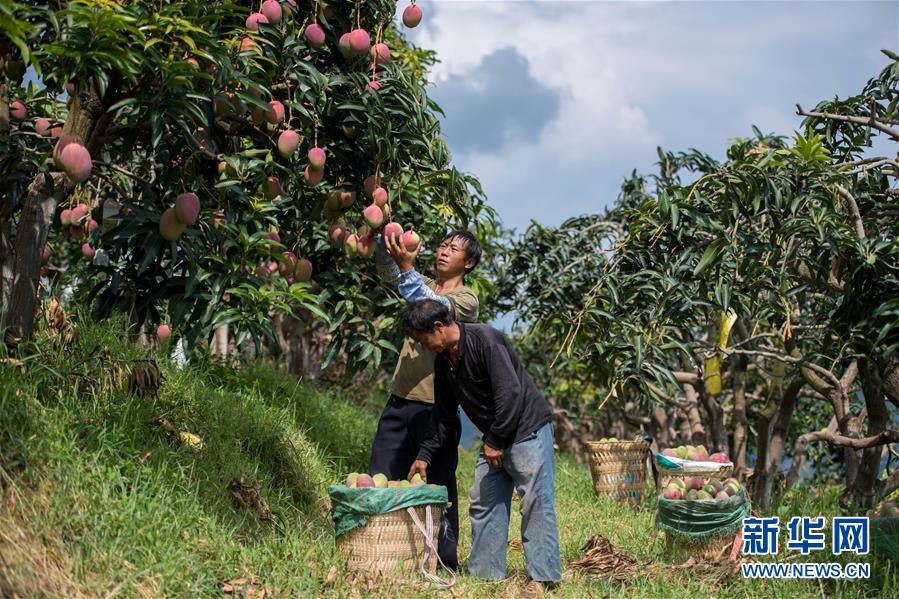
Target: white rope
(428, 532)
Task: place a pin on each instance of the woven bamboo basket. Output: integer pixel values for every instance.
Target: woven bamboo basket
(711, 549)
(618, 468)
(391, 543)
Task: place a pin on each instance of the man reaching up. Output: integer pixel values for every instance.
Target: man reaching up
(404, 421)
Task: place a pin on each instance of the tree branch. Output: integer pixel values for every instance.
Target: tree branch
(124, 171)
(864, 168)
(867, 162)
(816, 383)
(800, 455)
(887, 436)
(635, 420)
(853, 208)
(675, 401)
(858, 120)
(687, 378)
(849, 375)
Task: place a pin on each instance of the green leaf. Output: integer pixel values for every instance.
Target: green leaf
(709, 256)
(156, 245)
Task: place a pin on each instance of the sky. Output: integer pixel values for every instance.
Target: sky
(551, 104)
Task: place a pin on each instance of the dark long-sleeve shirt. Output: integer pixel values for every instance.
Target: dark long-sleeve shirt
(491, 385)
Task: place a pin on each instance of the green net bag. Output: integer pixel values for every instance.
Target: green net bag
(696, 521)
(351, 507)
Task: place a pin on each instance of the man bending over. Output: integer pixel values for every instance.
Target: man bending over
(477, 369)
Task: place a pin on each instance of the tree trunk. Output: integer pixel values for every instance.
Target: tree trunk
(659, 426)
(850, 424)
(87, 118)
(891, 379)
(220, 342)
(6, 242)
(7, 254)
(837, 393)
(31, 235)
(861, 490)
(698, 434)
(850, 427)
(779, 430)
(738, 450)
(777, 410)
(718, 436)
(684, 432)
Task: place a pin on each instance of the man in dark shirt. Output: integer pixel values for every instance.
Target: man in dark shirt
(477, 369)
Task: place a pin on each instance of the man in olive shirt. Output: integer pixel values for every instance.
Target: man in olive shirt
(405, 419)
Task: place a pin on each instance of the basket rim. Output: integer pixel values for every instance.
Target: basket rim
(622, 444)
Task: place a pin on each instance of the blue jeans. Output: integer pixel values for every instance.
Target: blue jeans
(528, 467)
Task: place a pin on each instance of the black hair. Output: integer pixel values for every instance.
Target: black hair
(421, 315)
(472, 246)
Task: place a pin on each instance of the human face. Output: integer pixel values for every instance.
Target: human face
(451, 258)
(432, 340)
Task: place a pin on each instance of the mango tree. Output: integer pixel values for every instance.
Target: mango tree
(208, 163)
(760, 291)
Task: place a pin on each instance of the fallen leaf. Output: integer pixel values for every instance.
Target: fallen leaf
(332, 575)
(235, 585)
(601, 559)
(145, 378)
(191, 440)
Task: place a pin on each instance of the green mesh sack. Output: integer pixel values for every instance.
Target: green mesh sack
(695, 521)
(885, 538)
(351, 507)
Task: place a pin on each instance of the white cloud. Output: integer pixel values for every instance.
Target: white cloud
(633, 75)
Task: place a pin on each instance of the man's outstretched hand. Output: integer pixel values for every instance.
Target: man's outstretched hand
(404, 258)
(419, 467)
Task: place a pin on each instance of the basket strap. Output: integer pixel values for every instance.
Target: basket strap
(428, 532)
(652, 450)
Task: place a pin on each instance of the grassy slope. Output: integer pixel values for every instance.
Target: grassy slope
(102, 500)
(97, 501)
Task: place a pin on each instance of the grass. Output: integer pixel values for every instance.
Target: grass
(99, 501)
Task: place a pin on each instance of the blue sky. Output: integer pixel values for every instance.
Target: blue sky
(552, 103)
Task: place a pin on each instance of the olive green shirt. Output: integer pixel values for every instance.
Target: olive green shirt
(414, 375)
